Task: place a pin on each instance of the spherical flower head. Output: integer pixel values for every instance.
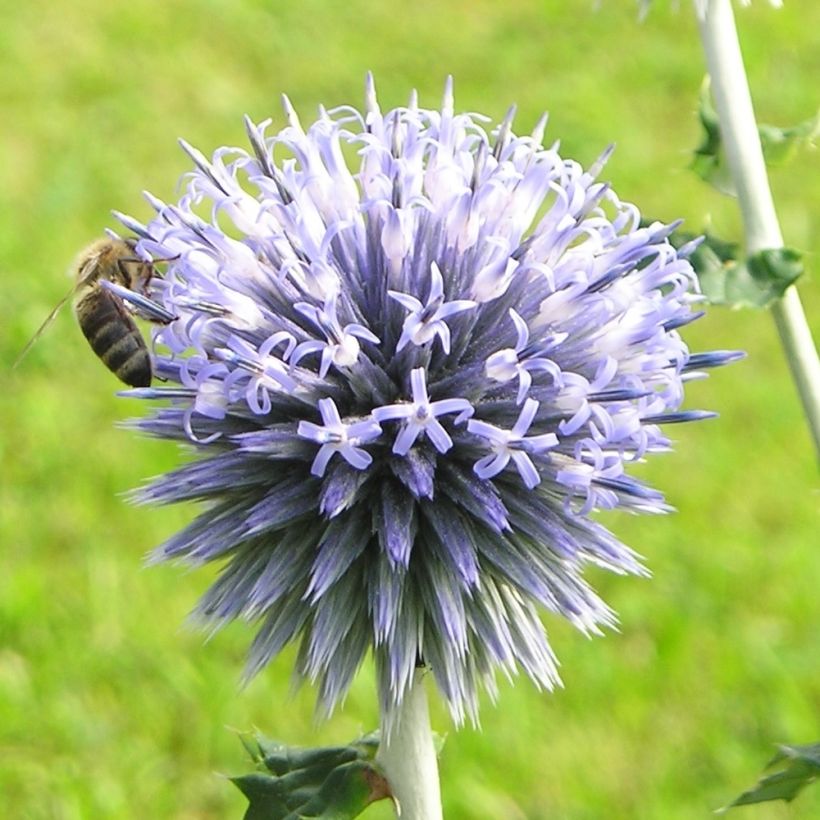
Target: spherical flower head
(412, 355)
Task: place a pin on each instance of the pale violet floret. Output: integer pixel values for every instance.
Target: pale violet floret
(426, 321)
(421, 416)
(209, 395)
(512, 444)
(577, 389)
(511, 362)
(266, 371)
(335, 436)
(340, 346)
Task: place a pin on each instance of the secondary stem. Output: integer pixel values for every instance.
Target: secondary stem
(408, 756)
(744, 154)
(801, 353)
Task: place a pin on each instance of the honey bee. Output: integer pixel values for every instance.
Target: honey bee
(103, 316)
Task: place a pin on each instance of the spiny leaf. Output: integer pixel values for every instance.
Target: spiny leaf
(754, 282)
(727, 279)
(798, 767)
(779, 144)
(709, 162)
(294, 783)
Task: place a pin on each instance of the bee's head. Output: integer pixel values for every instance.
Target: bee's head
(132, 271)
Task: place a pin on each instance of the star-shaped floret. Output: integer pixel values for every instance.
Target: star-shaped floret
(512, 444)
(337, 437)
(341, 346)
(506, 364)
(426, 321)
(420, 416)
(267, 372)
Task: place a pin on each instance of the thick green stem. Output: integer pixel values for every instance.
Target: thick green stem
(408, 757)
(802, 355)
(744, 155)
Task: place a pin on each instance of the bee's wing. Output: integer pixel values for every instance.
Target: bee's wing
(87, 273)
(48, 320)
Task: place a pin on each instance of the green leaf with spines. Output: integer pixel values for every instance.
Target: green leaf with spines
(709, 162)
(779, 144)
(292, 783)
(727, 279)
(798, 766)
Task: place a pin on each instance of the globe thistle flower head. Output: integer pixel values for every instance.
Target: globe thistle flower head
(407, 383)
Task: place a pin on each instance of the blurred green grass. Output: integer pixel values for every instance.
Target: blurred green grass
(109, 706)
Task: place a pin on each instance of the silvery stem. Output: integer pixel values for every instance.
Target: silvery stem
(408, 756)
(744, 154)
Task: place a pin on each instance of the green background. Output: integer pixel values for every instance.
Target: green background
(109, 705)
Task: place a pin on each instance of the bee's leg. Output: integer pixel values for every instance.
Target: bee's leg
(148, 266)
(140, 304)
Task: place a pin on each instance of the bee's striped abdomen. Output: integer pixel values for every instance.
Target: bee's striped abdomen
(114, 336)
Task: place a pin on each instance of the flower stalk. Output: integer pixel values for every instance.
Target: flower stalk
(407, 755)
(744, 154)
